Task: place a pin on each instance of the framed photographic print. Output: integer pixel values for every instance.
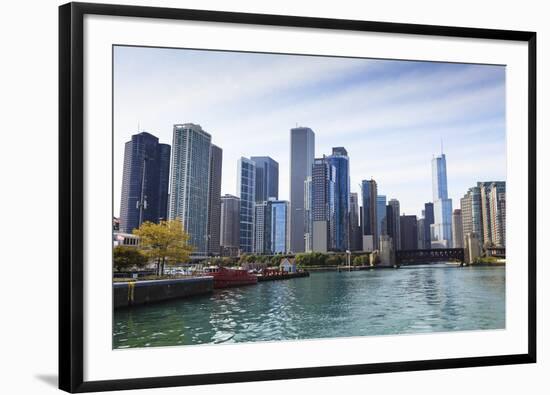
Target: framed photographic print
(250, 197)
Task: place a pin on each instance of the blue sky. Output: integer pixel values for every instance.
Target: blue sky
(390, 115)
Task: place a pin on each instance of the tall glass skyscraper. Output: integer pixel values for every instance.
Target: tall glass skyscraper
(262, 228)
(369, 221)
(355, 229)
(144, 181)
(267, 178)
(246, 186)
(322, 205)
(340, 160)
(380, 214)
(279, 226)
(443, 206)
(393, 220)
(428, 222)
(214, 199)
(302, 153)
(230, 225)
(190, 183)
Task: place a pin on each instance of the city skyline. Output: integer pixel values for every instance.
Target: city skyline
(478, 90)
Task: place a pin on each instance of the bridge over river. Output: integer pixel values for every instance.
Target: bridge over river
(408, 257)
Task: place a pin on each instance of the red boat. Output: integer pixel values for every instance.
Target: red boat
(225, 278)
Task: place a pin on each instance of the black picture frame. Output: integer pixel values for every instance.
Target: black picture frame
(71, 173)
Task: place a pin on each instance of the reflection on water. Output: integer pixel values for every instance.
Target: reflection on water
(430, 298)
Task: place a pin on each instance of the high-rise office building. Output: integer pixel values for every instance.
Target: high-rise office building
(246, 187)
(409, 232)
(369, 221)
(356, 237)
(279, 210)
(470, 208)
(340, 160)
(322, 205)
(267, 178)
(308, 225)
(486, 189)
(380, 214)
(458, 236)
(393, 223)
(230, 225)
(262, 228)
(214, 200)
(302, 154)
(428, 222)
(497, 205)
(421, 242)
(442, 227)
(144, 194)
(189, 183)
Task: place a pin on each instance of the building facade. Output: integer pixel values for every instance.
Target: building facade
(267, 178)
(380, 215)
(145, 179)
(458, 235)
(230, 225)
(262, 228)
(428, 222)
(356, 237)
(340, 160)
(442, 226)
(393, 222)
(214, 200)
(279, 221)
(489, 212)
(409, 232)
(497, 204)
(246, 186)
(322, 205)
(302, 154)
(190, 183)
(421, 243)
(369, 221)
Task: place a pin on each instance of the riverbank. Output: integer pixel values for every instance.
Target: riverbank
(132, 293)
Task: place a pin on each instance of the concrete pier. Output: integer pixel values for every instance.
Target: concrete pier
(133, 293)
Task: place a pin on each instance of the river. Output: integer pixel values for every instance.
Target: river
(412, 299)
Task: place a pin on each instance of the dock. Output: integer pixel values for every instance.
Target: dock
(282, 276)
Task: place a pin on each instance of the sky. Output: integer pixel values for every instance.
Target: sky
(392, 116)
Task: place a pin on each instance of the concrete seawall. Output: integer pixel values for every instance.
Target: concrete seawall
(142, 292)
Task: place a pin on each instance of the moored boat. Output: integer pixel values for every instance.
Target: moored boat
(225, 278)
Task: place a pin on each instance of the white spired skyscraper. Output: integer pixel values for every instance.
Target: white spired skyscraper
(189, 183)
(443, 206)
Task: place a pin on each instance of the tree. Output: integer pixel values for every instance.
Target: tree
(125, 257)
(165, 242)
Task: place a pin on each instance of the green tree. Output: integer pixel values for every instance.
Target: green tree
(125, 257)
(165, 242)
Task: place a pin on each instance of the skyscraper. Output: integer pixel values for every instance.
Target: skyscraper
(302, 154)
(340, 160)
(380, 214)
(189, 183)
(144, 181)
(355, 230)
(470, 208)
(442, 227)
(497, 200)
(409, 232)
(322, 205)
(458, 237)
(428, 222)
(262, 228)
(246, 186)
(369, 221)
(308, 225)
(267, 178)
(214, 202)
(486, 189)
(393, 222)
(230, 225)
(421, 242)
(279, 210)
